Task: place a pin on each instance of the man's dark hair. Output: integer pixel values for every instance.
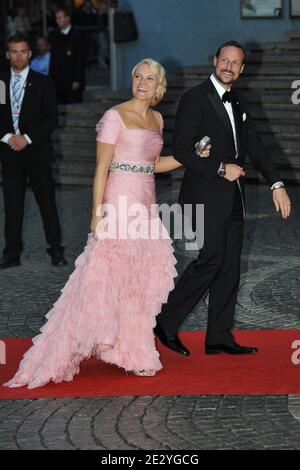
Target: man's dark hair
(234, 44)
(66, 11)
(18, 37)
(42, 36)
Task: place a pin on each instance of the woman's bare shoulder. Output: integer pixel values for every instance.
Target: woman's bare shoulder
(158, 117)
(124, 106)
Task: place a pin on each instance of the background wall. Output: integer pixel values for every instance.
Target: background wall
(186, 32)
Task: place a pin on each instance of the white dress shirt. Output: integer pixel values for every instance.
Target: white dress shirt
(228, 106)
(23, 75)
(66, 30)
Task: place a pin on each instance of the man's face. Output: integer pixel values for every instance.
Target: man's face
(42, 46)
(229, 65)
(19, 55)
(62, 20)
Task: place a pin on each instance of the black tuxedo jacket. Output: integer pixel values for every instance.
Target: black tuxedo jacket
(202, 113)
(67, 63)
(38, 118)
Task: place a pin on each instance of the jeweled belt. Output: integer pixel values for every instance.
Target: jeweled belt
(132, 167)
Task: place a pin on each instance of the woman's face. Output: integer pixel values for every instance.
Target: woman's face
(144, 83)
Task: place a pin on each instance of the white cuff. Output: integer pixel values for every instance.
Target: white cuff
(28, 139)
(278, 184)
(6, 138)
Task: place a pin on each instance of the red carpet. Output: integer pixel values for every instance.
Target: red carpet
(271, 371)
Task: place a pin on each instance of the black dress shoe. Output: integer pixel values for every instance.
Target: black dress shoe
(57, 258)
(6, 262)
(171, 341)
(234, 349)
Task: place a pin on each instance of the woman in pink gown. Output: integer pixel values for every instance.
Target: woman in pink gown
(109, 304)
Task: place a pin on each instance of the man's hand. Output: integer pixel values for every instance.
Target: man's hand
(11, 143)
(233, 172)
(282, 202)
(17, 142)
(75, 86)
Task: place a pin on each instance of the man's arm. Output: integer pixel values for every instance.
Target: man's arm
(187, 132)
(5, 111)
(258, 153)
(49, 121)
(6, 137)
(265, 164)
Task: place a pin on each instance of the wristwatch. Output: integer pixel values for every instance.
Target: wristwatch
(222, 170)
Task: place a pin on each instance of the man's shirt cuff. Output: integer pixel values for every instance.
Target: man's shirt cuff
(28, 139)
(6, 138)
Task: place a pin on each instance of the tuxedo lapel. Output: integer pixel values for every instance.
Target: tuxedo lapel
(219, 107)
(27, 94)
(238, 119)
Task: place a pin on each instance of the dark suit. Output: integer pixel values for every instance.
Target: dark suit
(67, 65)
(38, 119)
(201, 112)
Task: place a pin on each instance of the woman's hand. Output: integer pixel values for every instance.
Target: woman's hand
(205, 152)
(95, 226)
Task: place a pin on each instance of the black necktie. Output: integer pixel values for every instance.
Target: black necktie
(229, 96)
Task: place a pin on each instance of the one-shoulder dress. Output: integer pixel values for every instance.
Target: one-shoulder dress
(109, 304)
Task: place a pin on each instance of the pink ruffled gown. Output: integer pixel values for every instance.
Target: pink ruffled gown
(108, 306)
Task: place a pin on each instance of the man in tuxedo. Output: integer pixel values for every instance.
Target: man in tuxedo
(27, 120)
(213, 109)
(67, 64)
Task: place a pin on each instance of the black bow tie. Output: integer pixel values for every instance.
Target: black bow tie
(229, 96)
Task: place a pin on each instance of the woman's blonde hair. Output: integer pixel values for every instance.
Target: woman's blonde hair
(158, 70)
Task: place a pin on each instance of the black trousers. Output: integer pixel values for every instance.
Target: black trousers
(14, 176)
(216, 269)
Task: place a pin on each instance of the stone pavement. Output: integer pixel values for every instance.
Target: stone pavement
(269, 298)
